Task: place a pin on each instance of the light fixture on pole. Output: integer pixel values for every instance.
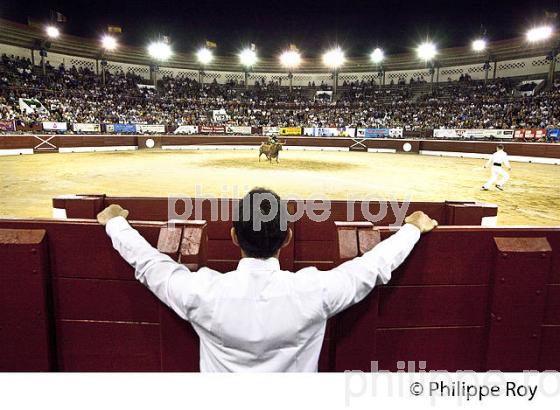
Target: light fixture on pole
(479, 45)
(204, 57)
(159, 51)
(108, 44)
(290, 59)
(334, 59)
(248, 58)
(426, 51)
(52, 31)
(540, 33)
(377, 56)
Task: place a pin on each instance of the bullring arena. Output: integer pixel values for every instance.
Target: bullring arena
(83, 129)
(321, 169)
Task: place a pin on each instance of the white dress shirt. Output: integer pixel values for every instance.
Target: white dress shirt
(259, 317)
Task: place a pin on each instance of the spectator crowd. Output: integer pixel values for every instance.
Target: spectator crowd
(79, 96)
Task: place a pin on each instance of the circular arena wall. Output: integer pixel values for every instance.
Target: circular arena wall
(44, 143)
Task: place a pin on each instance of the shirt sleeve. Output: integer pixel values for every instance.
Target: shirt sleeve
(353, 280)
(173, 283)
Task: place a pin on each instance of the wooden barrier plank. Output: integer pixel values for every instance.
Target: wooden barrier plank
(444, 348)
(104, 300)
(552, 310)
(89, 346)
(25, 301)
(417, 306)
(355, 335)
(549, 352)
(179, 343)
(522, 268)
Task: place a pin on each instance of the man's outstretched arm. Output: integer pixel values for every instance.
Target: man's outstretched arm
(170, 281)
(353, 280)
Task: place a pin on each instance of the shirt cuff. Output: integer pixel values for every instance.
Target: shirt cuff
(115, 225)
(410, 231)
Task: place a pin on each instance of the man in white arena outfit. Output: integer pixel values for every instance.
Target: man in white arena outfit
(497, 161)
(258, 317)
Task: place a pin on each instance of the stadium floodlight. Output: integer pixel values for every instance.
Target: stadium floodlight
(539, 33)
(377, 56)
(52, 31)
(204, 56)
(108, 42)
(479, 45)
(159, 50)
(248, 57)
(290, 59)
(426, 51)
(334, 58)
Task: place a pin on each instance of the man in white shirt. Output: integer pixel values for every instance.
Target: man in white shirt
(497, 161)
(259, 317)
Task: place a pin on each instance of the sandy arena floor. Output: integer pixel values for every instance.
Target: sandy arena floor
(27, 183)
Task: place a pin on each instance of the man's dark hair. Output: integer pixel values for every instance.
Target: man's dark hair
(261, 223)
(500, 146)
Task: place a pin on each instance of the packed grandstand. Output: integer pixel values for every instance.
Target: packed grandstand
(67, 98)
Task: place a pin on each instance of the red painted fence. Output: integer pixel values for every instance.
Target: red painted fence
(314, 241)
(468, 298)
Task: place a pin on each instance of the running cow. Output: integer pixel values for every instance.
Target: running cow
(270, 150)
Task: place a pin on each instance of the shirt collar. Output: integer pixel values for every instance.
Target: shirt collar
(254, 264)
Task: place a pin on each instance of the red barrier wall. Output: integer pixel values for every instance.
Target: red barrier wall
(313, 241)
(467, 298)
(482, 147)
(25, 325)
(101, 318)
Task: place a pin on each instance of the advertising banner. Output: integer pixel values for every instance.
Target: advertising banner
(396, 132)
(84, 127)
(373, 132)
(150, 128)
(212, 129)
(487, 134)
(54, 126)
(7, 125)
(270, 131)
(473, 134)
(530, 134)
(234, 129)
(325, 132)
(347, 132)
(553, 134)
(447, 134)
(121, 128)
(186, 129)
(309, 132)
(290, 131)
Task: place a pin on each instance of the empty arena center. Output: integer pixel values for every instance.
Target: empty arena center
(285, 205)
